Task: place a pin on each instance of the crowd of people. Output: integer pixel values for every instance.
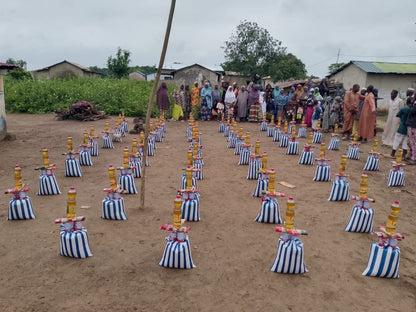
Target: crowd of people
(354, 110)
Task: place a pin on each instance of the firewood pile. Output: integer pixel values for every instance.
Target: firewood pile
(83, 111)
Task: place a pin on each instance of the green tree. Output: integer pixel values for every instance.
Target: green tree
(251, 51)
(288, 66)
(334, 67)
(103, 71)
(19, 73)
(21, 63)
(119, 66)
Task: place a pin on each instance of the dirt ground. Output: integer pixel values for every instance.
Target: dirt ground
(232, 253)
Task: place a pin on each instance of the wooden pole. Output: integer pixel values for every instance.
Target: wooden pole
(149, 107)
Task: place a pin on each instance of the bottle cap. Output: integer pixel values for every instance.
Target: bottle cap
(290, 198)
(396, 202)
(72, 188)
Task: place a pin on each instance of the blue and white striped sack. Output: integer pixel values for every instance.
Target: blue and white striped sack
(226, 131)
(302, 132)
(158, 135)
(152, 140)
(113, 209)
(117, 135)
(74, 244)
(253, 169)
(94, 148)
(269, 211)
(177, 255)
(232, 142)
(361, 220)
(124, 126)
(270, 130)
(21, 209)
(289, 258)
(383, 261)
(72, 168)
(199, 174)
(396, 178)
(262, 185)
(340, 191)
(277, 135)
(334, 144)
(150, 149)
(263, 126)
(221, 127)
(137, 163)
(48, 185)
(107, 142)
(284, 140)
(353, 152)
(292, 148)
(183, 182)
(317, 137)
(244, 156)
(128, 185)
(189, 133)
(322, 173)
(372, 163)
(190, 210)
(238, 147)
(85, 158)
(306, 158)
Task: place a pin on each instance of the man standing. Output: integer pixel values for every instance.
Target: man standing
(351, 100)
(393, 121)
(367, 122)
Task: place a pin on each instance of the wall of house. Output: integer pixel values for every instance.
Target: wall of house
(351, 75)
(188, 76)
(387, 82)
(136, 76)
(241, 80)
(63, 70)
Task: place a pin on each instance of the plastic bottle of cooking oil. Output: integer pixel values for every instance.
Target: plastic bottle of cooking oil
(177, 211)
(71, 203)
(290, 214)
(393, 217)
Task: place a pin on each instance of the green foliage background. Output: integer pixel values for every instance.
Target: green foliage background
(109, 95)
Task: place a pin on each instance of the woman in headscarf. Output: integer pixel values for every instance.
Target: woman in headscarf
(195, 96)
(309, 111)
(242, 99)
(177, 112)
(206, 104)
(336, 108)
(269, 98)
(216, 96)
(229, 101)
(326, 114)
(162, 98)
(187, 102)
(253, 104)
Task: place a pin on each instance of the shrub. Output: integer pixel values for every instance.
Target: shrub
(109, 95)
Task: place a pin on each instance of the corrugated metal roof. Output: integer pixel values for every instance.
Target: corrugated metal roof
(397, 68)
(368, 67)
(381, 67)
(8, 66)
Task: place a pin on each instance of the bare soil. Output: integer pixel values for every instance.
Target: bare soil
(233, 254)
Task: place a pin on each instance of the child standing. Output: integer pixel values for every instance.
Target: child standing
(401, 134)
(316, 114)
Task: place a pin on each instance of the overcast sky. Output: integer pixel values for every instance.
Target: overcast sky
(87, 32)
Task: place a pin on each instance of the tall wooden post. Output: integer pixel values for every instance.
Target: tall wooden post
(152, 96)
(3, 128)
